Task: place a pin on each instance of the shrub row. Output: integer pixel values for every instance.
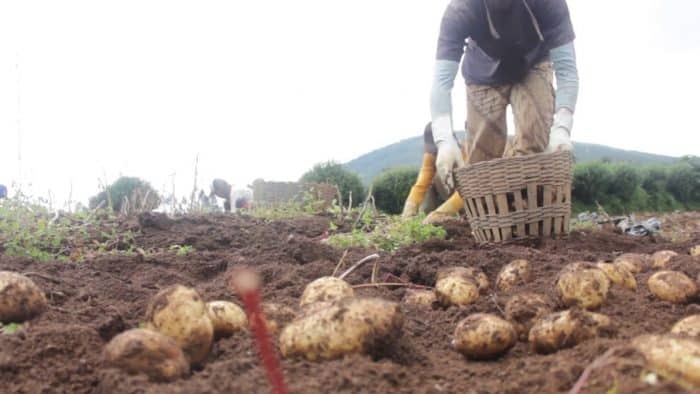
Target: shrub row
(619, 188)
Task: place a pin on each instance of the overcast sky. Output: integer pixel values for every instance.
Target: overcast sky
(265, 89)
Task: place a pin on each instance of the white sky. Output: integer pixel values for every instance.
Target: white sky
(265, 89)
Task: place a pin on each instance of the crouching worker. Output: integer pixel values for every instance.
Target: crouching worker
(511, 51)
(429, 194)
(233, 199)
(3, 192)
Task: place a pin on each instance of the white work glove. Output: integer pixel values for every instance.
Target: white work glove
(449, 156)
(560, 134)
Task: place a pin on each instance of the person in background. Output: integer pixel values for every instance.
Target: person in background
(3, 191)
(234, 199)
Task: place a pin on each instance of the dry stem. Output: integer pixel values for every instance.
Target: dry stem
(358, 265)
(600, 362)
(44, 277)
(411, 285)
(340, 263)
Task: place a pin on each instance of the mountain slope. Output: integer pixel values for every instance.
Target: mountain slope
(408, 153)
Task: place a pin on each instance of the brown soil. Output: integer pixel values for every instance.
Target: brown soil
(93, 301)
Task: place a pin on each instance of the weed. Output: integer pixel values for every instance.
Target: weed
(390, 235)
(181, 250)
(10, 329)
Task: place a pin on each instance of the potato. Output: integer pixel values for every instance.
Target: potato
(419, 297)
(480, 278)
(350, 326)
(567, 329)
(581, 284)
(482, 336)
(516, 272)
(675, 358)
(524, 309)
(277, 316)
(672, 286)
(456, 286)
(227, 318)
(618, 275)
(326, 289)
(634, 262)
(149, 352)
(180, 313)
(690, 327)
(695, 251)
(20, 298)
(662, 258)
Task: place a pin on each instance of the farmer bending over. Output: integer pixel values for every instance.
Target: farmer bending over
(511, 49)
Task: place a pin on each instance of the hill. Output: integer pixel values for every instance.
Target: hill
(407, 153)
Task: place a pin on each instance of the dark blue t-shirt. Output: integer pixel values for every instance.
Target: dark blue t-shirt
(503, 45)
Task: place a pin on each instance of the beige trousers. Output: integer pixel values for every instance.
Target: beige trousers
(532, 100)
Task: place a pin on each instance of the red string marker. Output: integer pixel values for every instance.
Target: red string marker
(246, 283)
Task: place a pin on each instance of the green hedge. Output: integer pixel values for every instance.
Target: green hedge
(138, 194)
(391, 188)
(618, 187)
(336, 174)
(623, 188)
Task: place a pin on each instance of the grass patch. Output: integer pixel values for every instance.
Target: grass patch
(389, 235)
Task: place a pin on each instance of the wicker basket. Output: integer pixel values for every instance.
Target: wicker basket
(520, 197)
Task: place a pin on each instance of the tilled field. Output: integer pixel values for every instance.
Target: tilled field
(93, 301)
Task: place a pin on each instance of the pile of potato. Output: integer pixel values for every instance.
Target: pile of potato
(335, 322)
(179, 331)
(582, 287)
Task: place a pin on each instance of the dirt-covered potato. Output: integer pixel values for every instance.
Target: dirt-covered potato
(350, 326)
(513, 274)
(179, 312)
(227, 318)
(478, 276)
(695, 251)
(456, 286)
(567, 329)
(482, 336)
(633, 262)
(672, 286)
(149, 352)
(662, 258)
(673, 357)
(326, 289)
(20, 298)
(618, 275)
(523, 310)
(582, 284)
(419, 297)
(277, 316)
(689, 326)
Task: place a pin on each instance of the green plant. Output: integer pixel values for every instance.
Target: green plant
(336, 174)
(11, 328)
(28, 230)
(181, 250)
(390, 235)
(391, 188)
(127, 195)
